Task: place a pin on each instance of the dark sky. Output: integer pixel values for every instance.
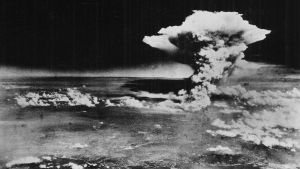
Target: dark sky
(98, 34)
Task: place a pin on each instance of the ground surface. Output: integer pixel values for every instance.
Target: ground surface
(129, 137)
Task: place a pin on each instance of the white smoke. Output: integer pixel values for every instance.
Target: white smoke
(161, 42)
(216, 40)
(201, 23)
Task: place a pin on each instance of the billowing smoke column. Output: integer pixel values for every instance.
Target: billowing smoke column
(216, 40)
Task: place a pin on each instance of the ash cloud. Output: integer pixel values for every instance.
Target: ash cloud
(216, 40)
(204, 24)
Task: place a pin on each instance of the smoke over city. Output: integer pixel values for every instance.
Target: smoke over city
(216, 40)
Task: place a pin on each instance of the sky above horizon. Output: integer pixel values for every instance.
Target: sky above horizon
(92, 35)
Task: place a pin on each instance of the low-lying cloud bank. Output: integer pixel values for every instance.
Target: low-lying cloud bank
(63, 97)
(161, 70)
(269, 118)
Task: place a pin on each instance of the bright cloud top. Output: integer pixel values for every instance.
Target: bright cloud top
(203, 22)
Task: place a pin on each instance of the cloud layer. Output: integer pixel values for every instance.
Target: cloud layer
(160, 70)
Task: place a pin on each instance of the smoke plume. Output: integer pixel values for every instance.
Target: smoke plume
(216, 40)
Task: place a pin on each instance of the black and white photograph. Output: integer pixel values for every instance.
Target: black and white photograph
(149, 84)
